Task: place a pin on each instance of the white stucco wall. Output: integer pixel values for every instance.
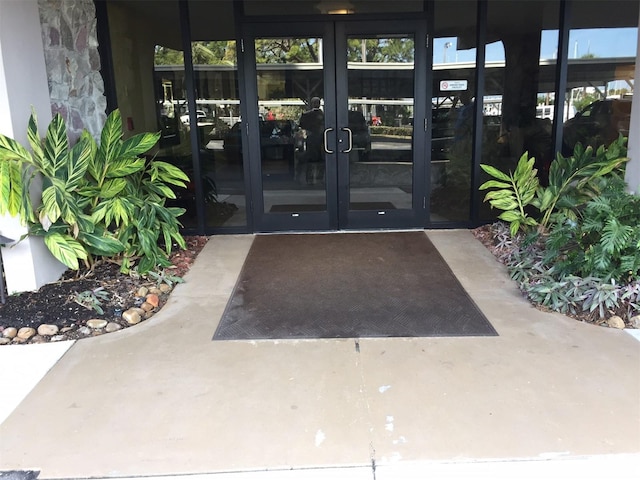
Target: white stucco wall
(23, 86)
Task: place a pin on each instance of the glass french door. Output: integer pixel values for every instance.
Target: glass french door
(335, 132)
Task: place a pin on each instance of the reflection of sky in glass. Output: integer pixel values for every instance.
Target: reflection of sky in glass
(601, 42)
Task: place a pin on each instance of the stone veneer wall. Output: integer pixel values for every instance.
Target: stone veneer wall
(70, 44)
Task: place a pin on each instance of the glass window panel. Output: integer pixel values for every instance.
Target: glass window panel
(602, 57)
(217, 111)
(290, 82)
(519, 86)
(381, 88)
(452, 111)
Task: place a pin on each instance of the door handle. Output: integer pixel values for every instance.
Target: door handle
(350, 147)
(324, 143)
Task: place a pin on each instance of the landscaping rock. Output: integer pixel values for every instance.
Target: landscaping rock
(96, 323)
(10, 332)
(47, 330)
(142, 292)
(164, 288)
(615, 322)
(153, 299)
(112, 327)
(635, 321)
(25, 333)
(132, 316)
(5, 340)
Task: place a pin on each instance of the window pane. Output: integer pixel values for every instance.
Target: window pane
(519, 84)
(452, 110)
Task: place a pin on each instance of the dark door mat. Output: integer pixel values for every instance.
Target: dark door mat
(318, 207)
(348, 285)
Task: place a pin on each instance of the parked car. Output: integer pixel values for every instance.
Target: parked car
(599, 123)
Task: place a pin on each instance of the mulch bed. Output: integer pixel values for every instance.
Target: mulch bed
(54, 303)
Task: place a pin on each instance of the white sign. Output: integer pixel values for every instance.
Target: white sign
(453, 85)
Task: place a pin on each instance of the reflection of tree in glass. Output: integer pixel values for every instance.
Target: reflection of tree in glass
(204, 53)
(380, 50)
(287, 50)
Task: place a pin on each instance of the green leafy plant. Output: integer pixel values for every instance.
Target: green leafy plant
(163, 276)
(514, 192)
(604, 240)
(103, 200)
(92, 299)
(573, 180)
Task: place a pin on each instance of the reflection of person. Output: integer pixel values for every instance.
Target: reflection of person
(464, 120)
(312, 122)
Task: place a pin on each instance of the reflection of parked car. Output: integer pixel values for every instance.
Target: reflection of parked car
(600, 122)
(276, 141)
(200, 115)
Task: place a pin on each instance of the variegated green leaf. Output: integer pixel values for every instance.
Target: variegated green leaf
(120, 212)
(101, 243)
(77, 164)
(12, 150)
(65, 249)
(34, 140)
(138, 145)
(124, 167)
(112, 187)
(111, 138)
(56, 147)
(51, 205)
(170, 173)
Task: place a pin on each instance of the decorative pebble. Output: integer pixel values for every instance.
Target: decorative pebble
(10, 332)
(112, 327)
(155, 290)
(84, 330)
(142, 292)
(635, 321)
(96, 323)
(146, 306)
(26, 333)
(164, 288)
(153, 300)
(38, 339)
(615, 322)
(18, 340)
(66, 329)
(47, 330)
(58, 338)
(5, 340)
(132, 316)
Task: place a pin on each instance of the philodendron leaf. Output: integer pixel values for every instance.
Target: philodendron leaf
(65, 249)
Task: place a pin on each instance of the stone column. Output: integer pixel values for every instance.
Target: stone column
(23, 86)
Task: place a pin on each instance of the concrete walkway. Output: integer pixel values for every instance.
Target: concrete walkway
(549, 397)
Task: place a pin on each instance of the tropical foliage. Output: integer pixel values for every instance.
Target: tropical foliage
(584, 253)
(573, 181)
(98, 200)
